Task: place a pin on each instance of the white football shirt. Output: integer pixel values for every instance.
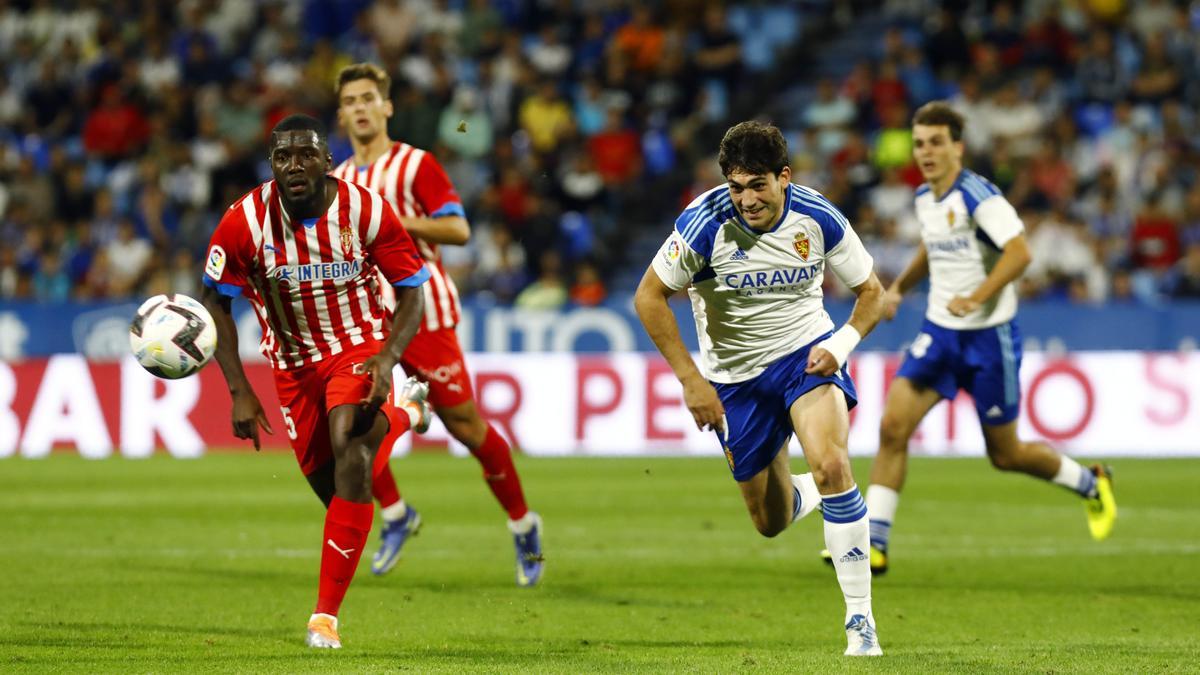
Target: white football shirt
(756, 296)
(964, 232)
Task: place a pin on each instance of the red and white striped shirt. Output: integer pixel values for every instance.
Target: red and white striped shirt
(414, 183)
(314, 283)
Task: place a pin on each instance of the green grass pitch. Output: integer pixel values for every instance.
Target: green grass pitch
(652, 566)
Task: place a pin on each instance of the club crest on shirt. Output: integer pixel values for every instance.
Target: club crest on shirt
(802, 246)
(950, 217)
(347, 241)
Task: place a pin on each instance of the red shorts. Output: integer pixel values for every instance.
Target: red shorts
(307, 394)
(436, 358)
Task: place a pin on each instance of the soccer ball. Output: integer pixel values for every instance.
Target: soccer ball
(172, 336)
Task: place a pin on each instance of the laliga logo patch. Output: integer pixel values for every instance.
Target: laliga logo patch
(671, 254)
(216, 262)
(801, 245)
(347, 240)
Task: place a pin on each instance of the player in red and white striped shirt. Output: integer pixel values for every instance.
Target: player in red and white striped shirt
(413, 182)
(308, 251)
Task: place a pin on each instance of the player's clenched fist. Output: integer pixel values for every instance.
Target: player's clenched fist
(821, 362)
(702, 400)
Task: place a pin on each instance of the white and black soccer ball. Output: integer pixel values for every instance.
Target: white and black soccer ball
(172, 336)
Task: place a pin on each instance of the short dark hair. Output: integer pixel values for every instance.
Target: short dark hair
(302, 122)
(364, 71)
(753, 147)
(938, 114)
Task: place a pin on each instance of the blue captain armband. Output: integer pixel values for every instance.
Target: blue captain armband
(449, 209)
(228, 290)
(415, 280)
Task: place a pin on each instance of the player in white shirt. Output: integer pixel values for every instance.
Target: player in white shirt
(754, 253)
(973, 248)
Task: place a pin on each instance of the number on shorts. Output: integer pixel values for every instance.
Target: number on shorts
(291, 426)
(921, 345)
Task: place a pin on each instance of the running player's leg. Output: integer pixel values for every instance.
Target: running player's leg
(822, 424)
(995, 356)
(437, 358)
(926, 376)
(348, 518)
(770, 496)
(907, 404)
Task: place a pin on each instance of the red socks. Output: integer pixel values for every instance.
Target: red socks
(387, 494)
(383, 485)
(347, 525)
(500, 474)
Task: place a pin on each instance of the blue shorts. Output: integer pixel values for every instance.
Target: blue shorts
(985, 362)
(756, 411)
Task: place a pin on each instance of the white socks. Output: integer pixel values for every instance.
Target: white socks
(1075, 477)
(394, 512)
(847, 538)
(881, 509)
(807, 496)
(523, 524)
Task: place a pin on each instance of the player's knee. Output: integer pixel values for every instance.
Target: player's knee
(832, 474)
(894, 432)
(1002, 460)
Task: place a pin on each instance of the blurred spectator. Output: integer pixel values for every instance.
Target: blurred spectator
(719, 54)
(501, 268)
(546, 117)
(549, 55)
(1016, 120)
(588, 289)
(128, 255)
(116, 128)
(50, 282)
(639, 43)
(548, 291)
(1183, 279)
(831, 114)
(1154, 241)
(392, 23)
(1102, 77)
(616, 150)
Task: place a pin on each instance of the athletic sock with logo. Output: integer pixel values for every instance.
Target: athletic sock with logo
(495, 457)
(881, 509)
(347, 525)
(1076, 477)
(848, 540)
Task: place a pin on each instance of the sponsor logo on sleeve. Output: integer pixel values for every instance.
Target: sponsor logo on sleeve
(216, 262)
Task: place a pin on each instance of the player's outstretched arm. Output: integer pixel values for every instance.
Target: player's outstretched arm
(701, 398)
(1011, 264)
(248, 414)
(828, 356)
(452, 230)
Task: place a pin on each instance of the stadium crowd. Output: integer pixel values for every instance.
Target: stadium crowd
(574, 130)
